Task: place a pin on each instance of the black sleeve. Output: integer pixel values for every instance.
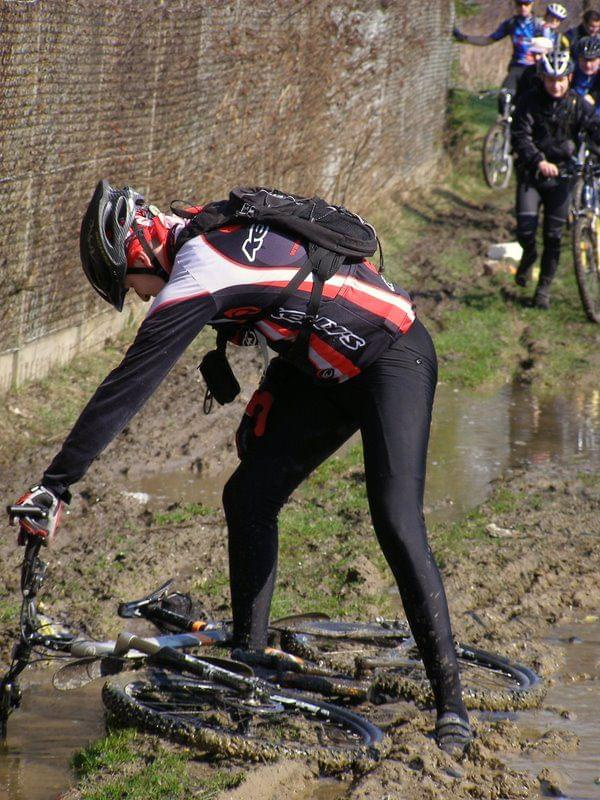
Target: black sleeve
(589, 121)
(523, 145)
(160, 341)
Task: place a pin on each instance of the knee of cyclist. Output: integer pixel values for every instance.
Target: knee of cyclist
(552, 243)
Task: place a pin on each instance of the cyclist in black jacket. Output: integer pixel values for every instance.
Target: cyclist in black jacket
(548, 123)
(589, 26)
(370, 365)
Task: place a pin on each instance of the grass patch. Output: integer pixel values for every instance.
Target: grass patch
(322, 532)
(9, 611)
(127, 766)
(182, 514)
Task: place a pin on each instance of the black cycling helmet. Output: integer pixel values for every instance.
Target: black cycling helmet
(588, 47)
(105, 227)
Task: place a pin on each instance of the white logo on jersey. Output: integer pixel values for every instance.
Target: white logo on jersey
(344, 336)
(389, 284)
(256, 237)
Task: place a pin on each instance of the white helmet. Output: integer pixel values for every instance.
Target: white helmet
(558, 11)
(541, 44)
(556, 64)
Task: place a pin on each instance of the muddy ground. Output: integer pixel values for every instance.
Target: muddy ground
(504, 591)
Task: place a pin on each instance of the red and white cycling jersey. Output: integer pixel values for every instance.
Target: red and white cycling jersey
(223, 276)
(241, 270)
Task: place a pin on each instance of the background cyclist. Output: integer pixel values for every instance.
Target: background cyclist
(371, 366)
(585, 78)
(522, 28)
(555, 15)
(589, 26)
(547, 125)
(530, 77)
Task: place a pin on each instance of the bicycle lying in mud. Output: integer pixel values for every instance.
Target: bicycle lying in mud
(497, 161)
(217, 705)
(256, 705)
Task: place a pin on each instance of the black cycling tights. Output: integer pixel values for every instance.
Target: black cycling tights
(290, 427)
(555, 195)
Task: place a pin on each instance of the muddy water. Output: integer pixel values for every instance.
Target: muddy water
(475, 438)
(577, 690)
(43, 735)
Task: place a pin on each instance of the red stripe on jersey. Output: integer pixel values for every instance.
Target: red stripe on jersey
(403, 318)
(334, 357)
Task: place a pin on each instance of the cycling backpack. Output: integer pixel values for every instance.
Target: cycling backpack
(332, 234)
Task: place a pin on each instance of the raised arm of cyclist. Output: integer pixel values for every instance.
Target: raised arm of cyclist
(369, 365)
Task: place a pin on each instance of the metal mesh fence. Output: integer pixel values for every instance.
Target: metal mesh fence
(185, 98)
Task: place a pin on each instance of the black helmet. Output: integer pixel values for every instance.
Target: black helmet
(588, 47)
(104, 229)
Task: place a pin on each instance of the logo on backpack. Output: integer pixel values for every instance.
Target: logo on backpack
(255, 240)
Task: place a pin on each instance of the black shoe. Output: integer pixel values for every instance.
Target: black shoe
(541, 299)
(524, 269)
(453, 734)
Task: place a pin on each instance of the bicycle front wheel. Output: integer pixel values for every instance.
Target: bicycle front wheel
(222, 720)
(496, 160)
(586, 260)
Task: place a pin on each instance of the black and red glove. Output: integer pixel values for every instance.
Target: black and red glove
(44, 498)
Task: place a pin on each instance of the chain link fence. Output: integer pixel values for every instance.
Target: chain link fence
(184, 98)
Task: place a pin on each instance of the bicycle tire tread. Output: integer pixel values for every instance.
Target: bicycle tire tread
(127, 710)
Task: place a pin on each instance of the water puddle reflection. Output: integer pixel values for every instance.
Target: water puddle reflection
(577, 690)
(43, 735)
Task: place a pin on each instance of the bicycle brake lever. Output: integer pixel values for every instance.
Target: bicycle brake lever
(131, 609)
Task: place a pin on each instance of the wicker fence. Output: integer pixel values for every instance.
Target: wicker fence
(183, 98)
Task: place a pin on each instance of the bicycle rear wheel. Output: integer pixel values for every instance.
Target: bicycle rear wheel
(586, 260)
(381, 664)
(496, 161)
(222, 720)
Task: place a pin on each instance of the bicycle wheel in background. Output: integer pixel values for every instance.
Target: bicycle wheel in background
(496, 160)
(225, 721)
(383, 664)
(586, 260)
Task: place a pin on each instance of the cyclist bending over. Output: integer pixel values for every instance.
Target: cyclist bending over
(548, 122)
(369, 366)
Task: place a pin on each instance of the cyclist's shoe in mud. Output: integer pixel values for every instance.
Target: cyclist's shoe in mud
(523, 272)
(453, 734)
(541, 299)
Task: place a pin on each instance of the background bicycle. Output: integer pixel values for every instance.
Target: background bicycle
(586, 233)
(497, 161)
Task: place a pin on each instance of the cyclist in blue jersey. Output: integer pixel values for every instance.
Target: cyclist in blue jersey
(555, 15)
(368, 364)
(522, 28)
(585, 78)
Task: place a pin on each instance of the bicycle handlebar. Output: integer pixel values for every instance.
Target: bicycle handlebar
(35, 512)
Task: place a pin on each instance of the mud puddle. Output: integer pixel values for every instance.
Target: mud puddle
(570, 713)
(475, 437)
(43, 735)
